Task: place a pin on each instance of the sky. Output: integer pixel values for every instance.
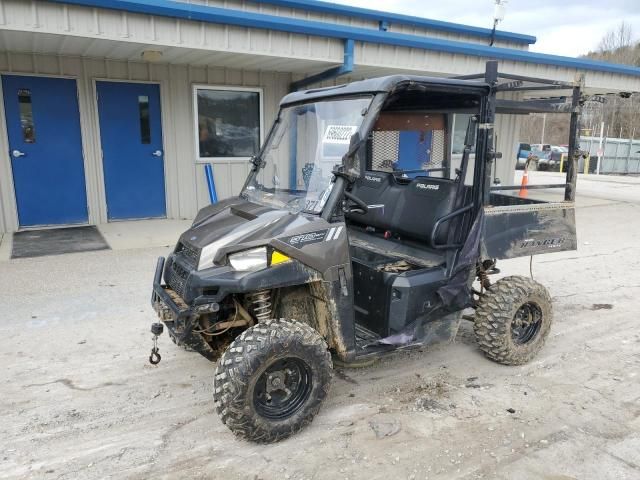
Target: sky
(563, 27)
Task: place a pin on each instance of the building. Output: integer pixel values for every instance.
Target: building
(111, 108)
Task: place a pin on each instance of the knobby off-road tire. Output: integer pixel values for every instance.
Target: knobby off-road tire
(498, 320)
(263, 357)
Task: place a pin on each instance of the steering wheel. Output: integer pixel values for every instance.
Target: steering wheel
(362, 207)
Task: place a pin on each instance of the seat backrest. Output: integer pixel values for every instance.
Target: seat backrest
(409, 208)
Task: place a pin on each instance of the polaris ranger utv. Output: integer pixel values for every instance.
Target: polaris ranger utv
(366, 217)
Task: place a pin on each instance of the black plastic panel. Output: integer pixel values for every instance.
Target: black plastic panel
(519, 231)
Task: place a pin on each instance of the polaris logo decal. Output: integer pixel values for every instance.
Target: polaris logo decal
(371, 178)
(427, 186)
(304, 239)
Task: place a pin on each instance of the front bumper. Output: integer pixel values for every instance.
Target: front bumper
(179, 317)
(204, 290)
(170, 307)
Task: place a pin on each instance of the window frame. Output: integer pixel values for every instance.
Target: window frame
(195, 125)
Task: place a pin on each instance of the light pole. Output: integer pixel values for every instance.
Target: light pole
(498, 16)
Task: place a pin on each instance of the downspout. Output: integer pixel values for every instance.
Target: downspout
(211, 186)
(345, 68)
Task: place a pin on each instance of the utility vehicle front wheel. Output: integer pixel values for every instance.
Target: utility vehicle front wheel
(272, 379)
(513, 319)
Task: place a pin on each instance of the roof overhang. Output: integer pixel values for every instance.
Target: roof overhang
(99, 29)
(208, 14)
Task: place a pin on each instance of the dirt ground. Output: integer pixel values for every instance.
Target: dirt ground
(78, 399)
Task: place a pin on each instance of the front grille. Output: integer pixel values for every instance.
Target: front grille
(176, 278)
(190, 254)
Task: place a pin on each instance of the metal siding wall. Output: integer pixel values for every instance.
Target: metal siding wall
(185, 182)
(209, 43)
(136, 32)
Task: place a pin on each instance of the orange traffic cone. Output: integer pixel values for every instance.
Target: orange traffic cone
(525, 181)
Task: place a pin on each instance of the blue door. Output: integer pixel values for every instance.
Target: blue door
(132, 156)
(45, 146)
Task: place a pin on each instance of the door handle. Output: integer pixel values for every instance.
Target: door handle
(157, 153)
(18, 154)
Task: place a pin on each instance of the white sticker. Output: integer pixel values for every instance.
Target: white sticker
(339, 133)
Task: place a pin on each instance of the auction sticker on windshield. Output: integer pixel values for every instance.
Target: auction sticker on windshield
(339, 133)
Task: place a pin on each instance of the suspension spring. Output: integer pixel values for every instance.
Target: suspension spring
(260, 304)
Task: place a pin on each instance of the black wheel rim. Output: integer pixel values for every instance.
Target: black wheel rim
(526, 323)
(283, 388)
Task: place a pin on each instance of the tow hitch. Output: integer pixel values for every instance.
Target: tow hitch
(156, 330)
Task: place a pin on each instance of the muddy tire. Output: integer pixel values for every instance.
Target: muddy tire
(271, 381)
(513, 320)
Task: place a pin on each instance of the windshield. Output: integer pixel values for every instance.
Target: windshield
(309, 140)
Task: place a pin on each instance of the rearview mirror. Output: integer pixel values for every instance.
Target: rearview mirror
(470, 136)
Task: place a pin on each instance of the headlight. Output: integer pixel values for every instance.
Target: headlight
(249, 260)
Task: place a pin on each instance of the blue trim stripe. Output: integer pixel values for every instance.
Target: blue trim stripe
(166, 8)
(388, 17)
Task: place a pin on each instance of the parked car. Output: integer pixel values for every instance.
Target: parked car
(545, 147)
(524, 150)
(545, 160)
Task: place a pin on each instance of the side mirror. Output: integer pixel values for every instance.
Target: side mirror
(470, 136)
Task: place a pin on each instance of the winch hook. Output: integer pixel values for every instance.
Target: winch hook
(155, 357)
(156, 330)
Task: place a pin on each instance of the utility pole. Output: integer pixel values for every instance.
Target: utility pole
(544, 125)
(600, 151)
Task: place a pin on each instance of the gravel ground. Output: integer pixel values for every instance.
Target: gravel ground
(78, 399)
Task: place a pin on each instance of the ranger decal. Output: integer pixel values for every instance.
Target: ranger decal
(308, 238)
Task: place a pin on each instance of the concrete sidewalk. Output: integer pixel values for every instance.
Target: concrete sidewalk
(125, 235)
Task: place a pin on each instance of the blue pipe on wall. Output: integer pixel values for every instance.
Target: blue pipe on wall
(208, 171)
(345, 68)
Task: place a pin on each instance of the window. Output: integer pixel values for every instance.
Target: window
(228, 122)
(26, 116)
(460, 122)
(145, 126)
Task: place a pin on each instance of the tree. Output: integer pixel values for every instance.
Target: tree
(620, 115)
(618, 46)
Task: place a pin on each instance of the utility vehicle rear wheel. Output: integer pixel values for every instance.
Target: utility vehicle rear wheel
(513, 319)
(272, 379)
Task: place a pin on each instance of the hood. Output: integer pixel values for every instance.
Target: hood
(239, 223)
